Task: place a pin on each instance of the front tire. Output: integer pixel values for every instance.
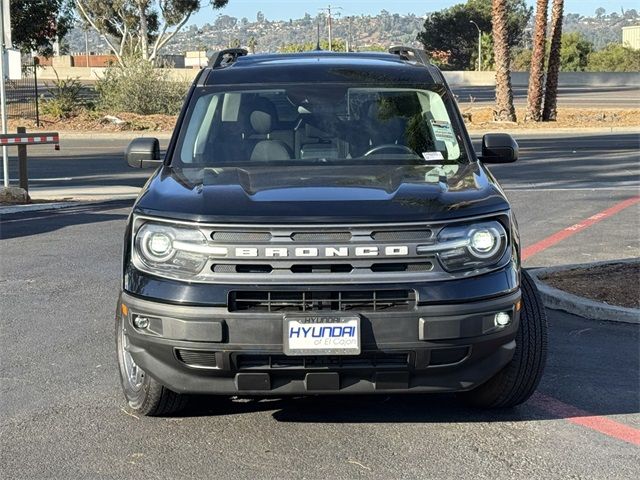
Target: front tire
(516, 382)
(144, 395)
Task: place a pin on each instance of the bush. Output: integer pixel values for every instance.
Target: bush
(65, 97)
(521, 61)
(140, 88)
(614, 58)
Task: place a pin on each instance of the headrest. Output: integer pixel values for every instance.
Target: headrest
(261, 122)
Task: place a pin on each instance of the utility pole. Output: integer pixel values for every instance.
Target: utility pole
(349, 18)
(86, 45)
(479, 45)
(328, 10)
(4, 38)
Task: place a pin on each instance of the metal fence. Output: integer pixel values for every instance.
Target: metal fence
(22, 95)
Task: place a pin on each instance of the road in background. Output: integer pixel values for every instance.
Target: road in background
(586, 96)
(577, 97)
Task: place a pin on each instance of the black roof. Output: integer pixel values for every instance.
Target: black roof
(321, 67)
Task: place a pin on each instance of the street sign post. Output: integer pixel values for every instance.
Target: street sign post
(5, 41)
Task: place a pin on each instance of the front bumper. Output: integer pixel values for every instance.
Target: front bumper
(432, 348)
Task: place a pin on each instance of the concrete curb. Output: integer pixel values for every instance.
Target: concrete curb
(550, 131)
(584, 307)
(40, 207)
(110, 135)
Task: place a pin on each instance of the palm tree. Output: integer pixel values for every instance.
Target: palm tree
(551, 90)
(504, 110)
(536, 75)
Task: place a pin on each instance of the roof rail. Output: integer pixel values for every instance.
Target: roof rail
(226, 57)
(411, 54)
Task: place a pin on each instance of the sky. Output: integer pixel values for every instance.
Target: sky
(286, 9)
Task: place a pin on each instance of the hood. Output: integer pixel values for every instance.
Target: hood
(322, 193)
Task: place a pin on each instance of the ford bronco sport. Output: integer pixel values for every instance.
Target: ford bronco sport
(320, 224)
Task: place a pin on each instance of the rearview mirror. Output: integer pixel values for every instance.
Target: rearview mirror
(499, 148)
(143, 152)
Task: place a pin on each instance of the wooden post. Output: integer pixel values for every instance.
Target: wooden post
(22, 163)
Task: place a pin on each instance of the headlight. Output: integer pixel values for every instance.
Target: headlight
(469, 247)
(169, 250)
(484, 242)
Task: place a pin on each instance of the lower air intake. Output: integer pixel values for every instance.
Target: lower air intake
(197, 358)
(350, 300)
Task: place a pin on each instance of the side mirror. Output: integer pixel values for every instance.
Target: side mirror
(143, 152)
(499, 148)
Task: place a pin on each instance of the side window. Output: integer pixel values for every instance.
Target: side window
(199, 128)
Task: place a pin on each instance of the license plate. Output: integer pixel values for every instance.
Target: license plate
(324, 334)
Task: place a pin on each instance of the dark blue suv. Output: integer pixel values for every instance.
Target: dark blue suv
(320, 224)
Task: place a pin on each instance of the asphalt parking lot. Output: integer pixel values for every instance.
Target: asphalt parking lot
(62, 410)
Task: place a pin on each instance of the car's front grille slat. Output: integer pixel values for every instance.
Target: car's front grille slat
(366, 360)
(303, 301)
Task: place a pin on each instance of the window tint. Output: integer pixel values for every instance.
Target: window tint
(330, 123)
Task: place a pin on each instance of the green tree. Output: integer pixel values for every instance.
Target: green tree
(614, 58)
(575, 52)
(337, 44)
(486, 43)
(450, 30)
(521, 61)
(139, 27)
(37, 24)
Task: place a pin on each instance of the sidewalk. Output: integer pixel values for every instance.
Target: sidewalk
(84, 193)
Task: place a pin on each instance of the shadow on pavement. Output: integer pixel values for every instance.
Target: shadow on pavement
(592, 161)
(65, 170)
(24, 224)
(592, 367)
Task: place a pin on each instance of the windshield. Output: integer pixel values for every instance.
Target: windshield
(312, 124)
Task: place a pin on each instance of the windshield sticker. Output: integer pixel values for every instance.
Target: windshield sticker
(442, 131)
(431, 156)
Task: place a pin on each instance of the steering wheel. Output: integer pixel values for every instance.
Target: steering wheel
(386, 146)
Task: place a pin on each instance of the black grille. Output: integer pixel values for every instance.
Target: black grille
(366, 360)
(402, 267)
(240, 237)
(279, 301)
(197, 358)
(397, 235)
(313, 237)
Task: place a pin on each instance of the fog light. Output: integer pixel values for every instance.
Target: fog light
(502, 319)
(140, 322)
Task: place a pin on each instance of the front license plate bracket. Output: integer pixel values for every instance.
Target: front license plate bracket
(321, 334)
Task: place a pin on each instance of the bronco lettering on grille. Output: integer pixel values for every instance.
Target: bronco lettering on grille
(314, 252)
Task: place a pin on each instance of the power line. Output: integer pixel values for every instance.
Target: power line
(328, 10)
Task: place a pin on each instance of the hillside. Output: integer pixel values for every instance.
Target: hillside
(366, 31)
